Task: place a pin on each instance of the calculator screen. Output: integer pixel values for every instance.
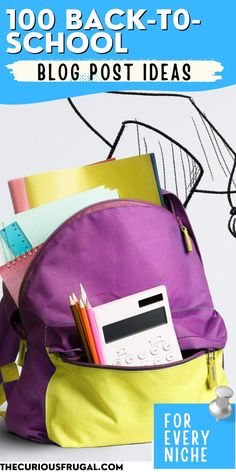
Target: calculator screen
(134, 324)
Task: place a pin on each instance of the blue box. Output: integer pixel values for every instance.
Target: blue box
(187, 436)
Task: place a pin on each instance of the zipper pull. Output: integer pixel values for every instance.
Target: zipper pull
(22, 353)
(211, 378)
(187, 238)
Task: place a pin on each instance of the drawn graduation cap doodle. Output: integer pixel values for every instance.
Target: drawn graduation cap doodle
(192, 155)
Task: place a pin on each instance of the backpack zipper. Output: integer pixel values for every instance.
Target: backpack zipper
(100, 206)
(211, 362)
(185, 232)
(67, 359)
(211, 365)
(22, 352)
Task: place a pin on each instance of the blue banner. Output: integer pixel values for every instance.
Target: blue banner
(141, 45)
(187, 436)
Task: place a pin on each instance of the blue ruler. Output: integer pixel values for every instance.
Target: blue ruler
(15, 239)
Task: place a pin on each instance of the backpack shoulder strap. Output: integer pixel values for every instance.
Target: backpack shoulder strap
(9, 348)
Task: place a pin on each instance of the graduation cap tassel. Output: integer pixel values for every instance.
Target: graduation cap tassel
(232, 222)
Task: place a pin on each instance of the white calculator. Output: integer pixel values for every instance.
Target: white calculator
(138, 330)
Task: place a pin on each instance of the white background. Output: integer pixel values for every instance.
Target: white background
(46, 136)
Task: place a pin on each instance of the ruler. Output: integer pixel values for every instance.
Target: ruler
(15, 239)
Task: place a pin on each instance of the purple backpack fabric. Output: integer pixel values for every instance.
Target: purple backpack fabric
(115, 249)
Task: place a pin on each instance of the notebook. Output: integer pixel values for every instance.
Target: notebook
(19, 195)
(30, 228)
(13, 272)
(133, 177)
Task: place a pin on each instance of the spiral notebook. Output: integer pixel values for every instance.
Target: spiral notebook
(13, 272)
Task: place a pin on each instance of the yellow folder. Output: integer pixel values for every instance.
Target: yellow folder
(133, 177)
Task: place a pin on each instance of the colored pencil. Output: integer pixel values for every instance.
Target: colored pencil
(80, 328)
(86, 326)
(93, 324)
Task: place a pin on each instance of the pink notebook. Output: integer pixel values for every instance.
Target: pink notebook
(13, 272)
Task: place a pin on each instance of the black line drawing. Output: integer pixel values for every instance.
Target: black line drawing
(206, 165)
(169, 141)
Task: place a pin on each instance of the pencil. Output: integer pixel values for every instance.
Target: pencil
(80, 328)
(93, 324)
(87, 329)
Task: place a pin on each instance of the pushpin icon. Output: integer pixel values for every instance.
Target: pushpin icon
(220, 408)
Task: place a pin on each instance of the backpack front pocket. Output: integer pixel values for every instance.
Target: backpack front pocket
(89, 406)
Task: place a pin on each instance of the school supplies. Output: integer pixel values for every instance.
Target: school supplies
(15, 239)
(31, 228)
(76, 315)
(13, 272)
(133, 177)
(138, 330)
(86, 327)
(19, 195)
(115, 248)
(92, 322)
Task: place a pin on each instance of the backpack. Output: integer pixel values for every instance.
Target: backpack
(115, 248)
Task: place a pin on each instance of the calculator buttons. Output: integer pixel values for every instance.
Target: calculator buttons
(155, 341)
(157, 361)
(170, 357)
(142, 355)
(166, 347)
(121, 352)
(154, 351)
(117, 362)
(129, 359)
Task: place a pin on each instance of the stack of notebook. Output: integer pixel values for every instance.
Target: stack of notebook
(43, 202)
(133, 177)
(22, 235)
